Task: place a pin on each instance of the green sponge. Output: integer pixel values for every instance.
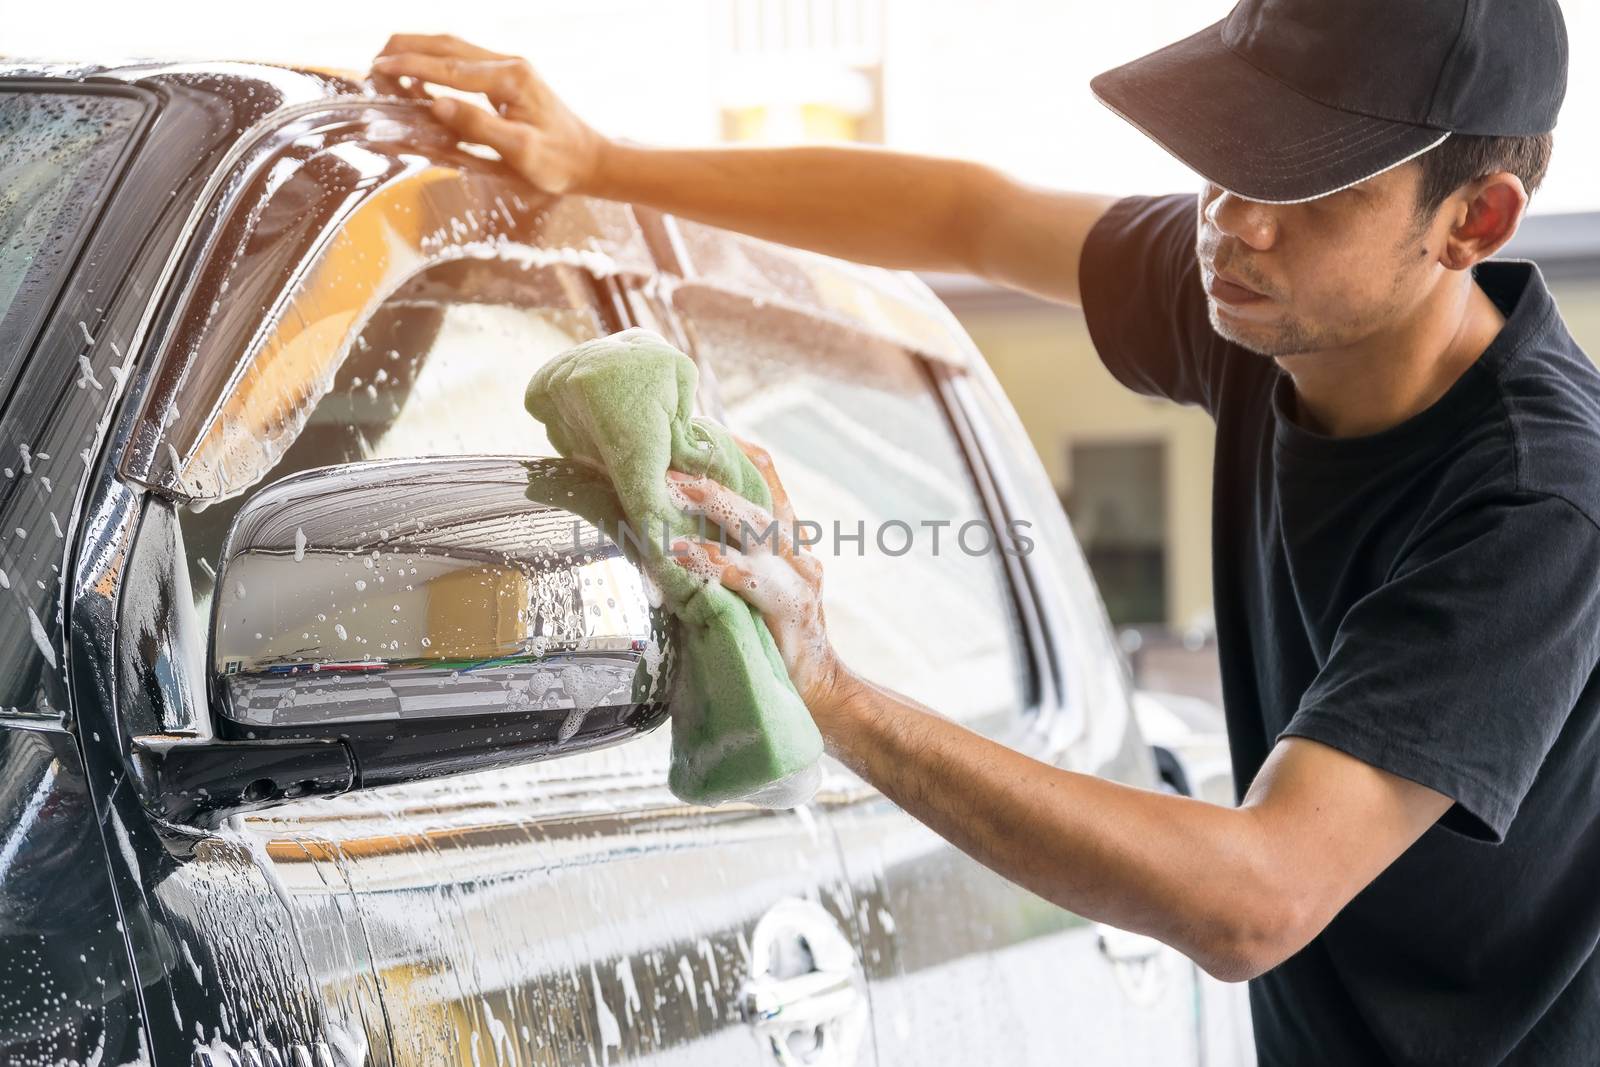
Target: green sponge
(739, 728)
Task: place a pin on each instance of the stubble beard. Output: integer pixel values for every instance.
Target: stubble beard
(1286, 337)
(1290, 335)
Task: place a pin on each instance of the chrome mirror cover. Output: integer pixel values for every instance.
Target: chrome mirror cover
(436, 597)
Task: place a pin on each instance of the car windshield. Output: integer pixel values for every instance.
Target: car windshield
(58, 156)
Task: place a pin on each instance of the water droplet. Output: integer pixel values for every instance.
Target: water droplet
(86, 370)
(40, 638)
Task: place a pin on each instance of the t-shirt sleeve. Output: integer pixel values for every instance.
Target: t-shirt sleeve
(1460, 670)
(1147, 315)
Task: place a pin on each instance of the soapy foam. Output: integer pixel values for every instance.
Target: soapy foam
(790, 791)
(770, 583)
(749, 524)
(768, 580)
(793, 612)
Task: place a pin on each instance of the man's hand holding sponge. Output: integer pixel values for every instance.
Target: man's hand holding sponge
(752, 648)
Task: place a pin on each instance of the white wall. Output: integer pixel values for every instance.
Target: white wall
(1001, 80)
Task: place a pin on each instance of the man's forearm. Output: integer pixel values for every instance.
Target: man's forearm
(871, 205)
(1239, 890)
(1189, 873)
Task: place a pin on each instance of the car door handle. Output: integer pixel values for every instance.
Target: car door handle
(815, 997)
(1122, 946)
(1142, 965)
(805, 997)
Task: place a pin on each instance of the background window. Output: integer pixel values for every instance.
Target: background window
(1117, 502)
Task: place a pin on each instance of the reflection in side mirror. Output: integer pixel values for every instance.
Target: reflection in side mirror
(435, 615)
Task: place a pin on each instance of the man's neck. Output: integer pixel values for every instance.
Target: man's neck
(1393, 375)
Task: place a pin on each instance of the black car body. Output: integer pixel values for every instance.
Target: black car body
(232, 276)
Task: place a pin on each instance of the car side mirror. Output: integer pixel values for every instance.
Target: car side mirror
(395, 620)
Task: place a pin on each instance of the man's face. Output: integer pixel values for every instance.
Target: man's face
(1283, 279)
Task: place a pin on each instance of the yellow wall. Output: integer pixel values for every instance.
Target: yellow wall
(1580, 306)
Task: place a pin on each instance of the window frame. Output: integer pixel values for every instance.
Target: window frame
(1088, 710)
(1043, 694)
(223, 361)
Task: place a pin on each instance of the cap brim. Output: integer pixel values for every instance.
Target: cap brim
(1248, 132)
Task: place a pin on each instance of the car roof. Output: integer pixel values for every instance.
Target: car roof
(254, 89)
(325, 81)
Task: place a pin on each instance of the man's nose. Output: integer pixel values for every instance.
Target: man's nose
(1249, 221)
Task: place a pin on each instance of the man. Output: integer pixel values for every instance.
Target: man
(1407, 487)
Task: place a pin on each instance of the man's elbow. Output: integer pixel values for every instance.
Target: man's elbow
(1249, 941)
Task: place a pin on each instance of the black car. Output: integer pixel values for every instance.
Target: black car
(317, 746)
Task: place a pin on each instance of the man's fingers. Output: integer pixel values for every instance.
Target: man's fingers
(758, 530)
(501, 80)
(476, 124)
(390, 86)
(809, 566)
(712, 562)
(764, 591)
(769, 474)
(441, 45)
(741, 518)
(436, 44)
(732, 568)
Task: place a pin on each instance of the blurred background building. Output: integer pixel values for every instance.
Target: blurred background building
(1002, 81)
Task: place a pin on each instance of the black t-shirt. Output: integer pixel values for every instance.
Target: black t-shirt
(1427, 599)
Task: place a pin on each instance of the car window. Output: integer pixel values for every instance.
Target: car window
(1094, 674)
(58, 155)
(860, 439)
(438, 370)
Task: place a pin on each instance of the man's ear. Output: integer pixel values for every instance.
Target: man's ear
(1487, 213)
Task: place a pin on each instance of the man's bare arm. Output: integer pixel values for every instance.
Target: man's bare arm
(1238, 890)
(872, 205)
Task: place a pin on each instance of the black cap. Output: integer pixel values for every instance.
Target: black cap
(1289, 100)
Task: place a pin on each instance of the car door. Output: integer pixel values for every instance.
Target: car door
(555, 911)
(389, 295)
(963, 965)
